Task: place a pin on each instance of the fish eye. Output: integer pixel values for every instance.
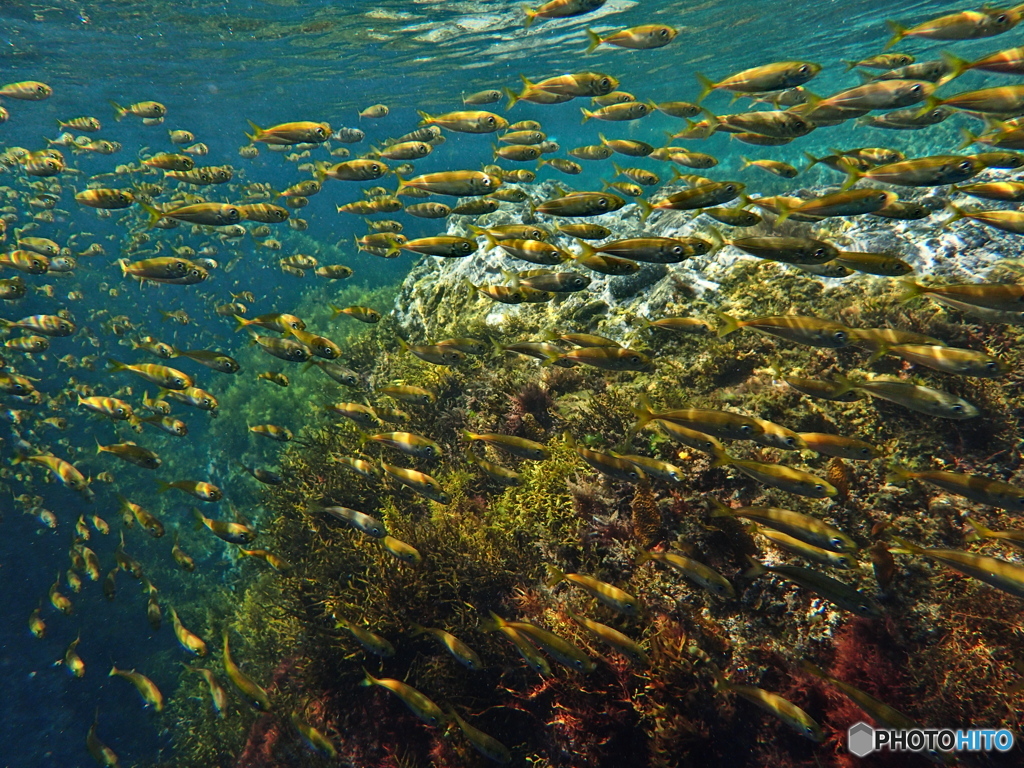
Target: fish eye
(662, 32)
(486, 181)
(991, 366)
(966, 165)
(819, 253)
(956, 408)
(375, 168)
(819, 488)
(790, 441)
(745, 429)
(1002, 18)
(915, 88)
(602, 202)
(804, 69)
(840, 336)
(429, 450)
(119, 411)
(936, 113)
(730, 187)
(489, 120)
(835, 541)
(206, 401)
(605, 82)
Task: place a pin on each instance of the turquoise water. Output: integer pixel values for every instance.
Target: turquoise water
(215, 66)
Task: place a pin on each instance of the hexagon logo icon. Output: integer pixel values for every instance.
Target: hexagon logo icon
(860, 739)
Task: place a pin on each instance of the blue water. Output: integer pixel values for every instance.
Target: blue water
(216, 65)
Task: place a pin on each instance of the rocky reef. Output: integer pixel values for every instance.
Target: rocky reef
(943, 651)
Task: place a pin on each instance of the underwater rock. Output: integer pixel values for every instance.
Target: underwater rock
(962, 253)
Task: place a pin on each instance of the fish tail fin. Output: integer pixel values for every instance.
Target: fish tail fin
(368, 679)
(113, 671)
(493, 623)
(643, 557)
(853, 174)
(405, 346)
(706, 87)
(402, 184)
(958, 213)
(878, 354)
(911, 289)
(257, 132)
(154, 214)
(784, 212)
(530, 16)
(729, 324)
(898, 33)
(717, 240)
(163, 486)
(555, 575)
(586, 250)
(812, 161)
(720, 683)
(745, 162)
(240, 322)
(978, 530)
(713, 120)
(646, 209)
(513, 98)
(550, 358)
(957, 67)
(929, 104)
(720, 458)
(813, 669)
(119, 111)
(756, 569)
(898, 474)
(415, 630)
(425, 119)
(906, 545)
(644, 414)
(587, 114)
(116, 365)
(100, 449)
(969, 138)
(595, 40)
(718, 509)
(850, 64)
(845, 384)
